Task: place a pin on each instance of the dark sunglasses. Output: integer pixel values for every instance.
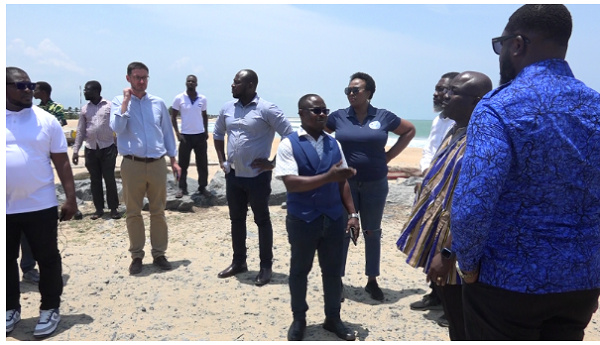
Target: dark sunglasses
(23, 85)
(497, 42)
(354, 90)
(318, 111)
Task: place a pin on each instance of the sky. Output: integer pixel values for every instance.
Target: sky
(295, 49)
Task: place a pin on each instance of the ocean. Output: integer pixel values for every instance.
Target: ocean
(423, 127)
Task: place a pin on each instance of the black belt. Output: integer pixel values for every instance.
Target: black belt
(140, 159)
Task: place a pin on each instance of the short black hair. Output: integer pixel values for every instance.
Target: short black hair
(191, 75)
(11, 71)
(370, 82)
(552, 21)
(94, 85)
(304, 99)
(251, 76)
(43, 86)
(449, 75)
(136, 65)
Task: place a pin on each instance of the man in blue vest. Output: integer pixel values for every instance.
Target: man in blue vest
(313, 168)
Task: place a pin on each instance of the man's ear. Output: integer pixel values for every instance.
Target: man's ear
(476, 100)
(518, 46)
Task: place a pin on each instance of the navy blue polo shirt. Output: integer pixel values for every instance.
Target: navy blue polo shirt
(364, 144)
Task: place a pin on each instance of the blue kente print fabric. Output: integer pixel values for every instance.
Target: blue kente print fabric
(526, 209)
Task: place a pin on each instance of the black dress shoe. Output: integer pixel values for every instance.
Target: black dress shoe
(232, 270)
(136, 266)
(337, 326)
(263, 277)
(296, 331)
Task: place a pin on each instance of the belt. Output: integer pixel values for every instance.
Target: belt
(140, 159)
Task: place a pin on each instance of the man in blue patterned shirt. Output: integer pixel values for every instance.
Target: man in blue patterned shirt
(526, 210)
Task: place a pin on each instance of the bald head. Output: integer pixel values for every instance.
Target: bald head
(465, 91)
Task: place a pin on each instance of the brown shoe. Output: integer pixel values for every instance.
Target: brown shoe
(162, 263)
(136, 266)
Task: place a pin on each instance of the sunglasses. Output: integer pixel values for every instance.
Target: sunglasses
(499, 41)
(350, 90)
(22, 85)
(318, 111)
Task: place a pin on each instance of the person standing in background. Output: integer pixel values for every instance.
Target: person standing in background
(193, 135)
(42, 91)
(100, 149)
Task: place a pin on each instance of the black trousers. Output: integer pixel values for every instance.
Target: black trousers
(451, 296)
(101, 164)
(493, 313)
(40, 229)
(326, 237)
(255, 191)
(197, 143)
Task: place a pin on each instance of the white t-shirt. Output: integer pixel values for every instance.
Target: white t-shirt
(31, 135)
(439, 128)
(191, 113)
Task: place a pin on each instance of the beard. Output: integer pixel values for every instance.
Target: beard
(507, 70)
(437, 108)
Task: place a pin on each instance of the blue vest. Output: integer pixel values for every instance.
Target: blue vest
(324, 200)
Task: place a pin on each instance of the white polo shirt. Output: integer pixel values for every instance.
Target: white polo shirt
(31, 135)
(191, 113)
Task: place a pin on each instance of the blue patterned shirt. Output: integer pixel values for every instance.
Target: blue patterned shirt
(526, 209)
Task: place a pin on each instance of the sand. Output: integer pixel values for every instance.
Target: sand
(101, 301)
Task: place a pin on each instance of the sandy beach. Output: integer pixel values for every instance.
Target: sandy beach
(101, 301)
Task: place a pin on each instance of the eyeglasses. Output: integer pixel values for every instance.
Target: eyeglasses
(135, 77)
(318, 111)
(350, 90)
(499, 41)
(22, 85)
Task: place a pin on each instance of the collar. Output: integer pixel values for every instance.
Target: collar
(371, 111)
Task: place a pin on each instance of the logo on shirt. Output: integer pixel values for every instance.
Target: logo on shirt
(375, 125)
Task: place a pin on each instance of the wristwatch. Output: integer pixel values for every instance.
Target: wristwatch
(465, 276)
(447, 254)
(353, 215)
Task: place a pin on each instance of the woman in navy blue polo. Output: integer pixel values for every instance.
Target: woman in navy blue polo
(362, 130)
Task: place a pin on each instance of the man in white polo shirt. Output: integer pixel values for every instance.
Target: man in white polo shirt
(34, 138)
(193, 135)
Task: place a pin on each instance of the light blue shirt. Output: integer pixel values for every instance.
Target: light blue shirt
(250, 131)
(145, 129)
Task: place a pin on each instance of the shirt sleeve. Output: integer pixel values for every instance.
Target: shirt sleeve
(220, 126)
(81, 128)
(176, 103)
(167, 129)
(433, 141)
(485, 164)
(118, 121)
(58, 142)
(279, 121)
(286, 164)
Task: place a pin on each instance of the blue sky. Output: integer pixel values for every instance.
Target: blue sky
(295, 49)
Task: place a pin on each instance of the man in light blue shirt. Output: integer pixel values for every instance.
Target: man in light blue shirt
(250, 124)
(144, 136)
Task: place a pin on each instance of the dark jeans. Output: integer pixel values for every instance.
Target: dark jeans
(453, 309)
(493, 313)
(40, 228)
(101, 164)
(27, 261)
(255, 191)
(326, 236)
(196, 142)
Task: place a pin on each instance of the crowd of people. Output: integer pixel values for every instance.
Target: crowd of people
(508, 239)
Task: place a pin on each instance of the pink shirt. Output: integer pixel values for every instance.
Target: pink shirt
(94, 126)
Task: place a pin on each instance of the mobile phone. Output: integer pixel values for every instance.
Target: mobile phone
(352, 235)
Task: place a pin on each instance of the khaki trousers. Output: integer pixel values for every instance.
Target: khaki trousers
(145, 179)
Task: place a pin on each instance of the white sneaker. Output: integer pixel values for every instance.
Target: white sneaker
(47, 324)
(13, 317)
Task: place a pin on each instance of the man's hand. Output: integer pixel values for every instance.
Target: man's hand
(262, 164)
(353, 224)
(439, 269)
(180, 137)
(176, 170)
(75, 158)
(67, 210)
(338, 174)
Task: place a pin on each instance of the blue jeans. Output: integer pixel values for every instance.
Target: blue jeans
(255, 191)
(369, 201)
(326, 236)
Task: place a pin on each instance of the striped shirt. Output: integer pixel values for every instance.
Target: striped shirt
(428, 227)
(94, 126)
